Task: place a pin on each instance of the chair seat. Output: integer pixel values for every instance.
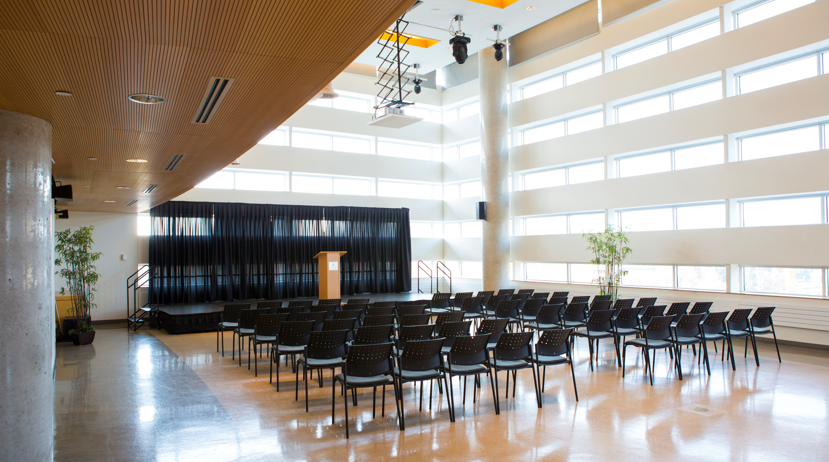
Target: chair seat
(491, 346)
(714, 337)
(529, 318)
(761, 330)
(574, 324)
(290, 349)
(738, 333)
(550, 360)
(472, 315)
(640, 342)
(687, 340)
(535, 325)
(419, 375)
(244, 331)
(264, 338)
(627, 331)
(512, 364)
(593, 334)
(364, 381)
(489, 312)
(228, 324)
(467, 369)
(326, 363)
(437, 310)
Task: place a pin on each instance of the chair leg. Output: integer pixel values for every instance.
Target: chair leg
(296, 383)
(731, 354)
(494, 377)
(677, 361)
(345, 400)
(277, 370)
(402, 411)
(773, 334)
(374, 404)
(217, 340)
(590, 347)
(506, 395)
(305, 379)
(449, 404)
(745, 349)
(543, 377)
(624, 356)
(514, 382)
(705, 353)
(754, 347)
(537, 387)
(256, 363)
(573, 373)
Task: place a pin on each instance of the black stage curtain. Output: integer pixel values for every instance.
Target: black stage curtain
(205, 251)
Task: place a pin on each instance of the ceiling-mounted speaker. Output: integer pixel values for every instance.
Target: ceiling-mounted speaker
(62, 193)
(61, 214)
(480, 211)
(217, 88)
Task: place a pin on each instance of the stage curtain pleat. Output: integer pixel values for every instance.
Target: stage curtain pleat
(226, 251)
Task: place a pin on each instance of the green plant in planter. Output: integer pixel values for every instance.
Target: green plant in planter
(609, 249)
(77, 259)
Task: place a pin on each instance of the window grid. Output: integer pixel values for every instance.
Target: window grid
(667, 38)
(824, 287)
(672, 152)
(824, 205)
(822, 144)
(819, 56)
(566, 123)
(675, 283)
(736, 14)
(671, 97)
(566, 174)
(562, 76)
(522, 223)
(674, 214)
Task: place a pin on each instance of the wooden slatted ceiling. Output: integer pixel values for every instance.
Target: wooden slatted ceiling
(281, 53)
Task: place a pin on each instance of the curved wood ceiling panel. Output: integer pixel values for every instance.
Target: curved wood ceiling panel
(280, 53)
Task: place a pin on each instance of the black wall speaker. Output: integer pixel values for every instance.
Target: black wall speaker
(480, 211)
(62, 193)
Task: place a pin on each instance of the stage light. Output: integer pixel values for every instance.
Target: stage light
(417, 88)
(459, 49)
(499, 51)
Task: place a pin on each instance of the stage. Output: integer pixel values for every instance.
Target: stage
(193, 318)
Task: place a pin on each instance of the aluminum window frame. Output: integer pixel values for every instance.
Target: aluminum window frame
(822, 143)
(669, 93)
(824, 272)
(563, 76)
(674, 207)
(667, 37)
(820, 66)
(566, 125)
(824, 207)
(672, 152)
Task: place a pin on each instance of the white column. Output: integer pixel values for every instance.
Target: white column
(494, 169)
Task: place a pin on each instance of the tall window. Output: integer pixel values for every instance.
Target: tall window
(409, 150)
(320, 184)
(673, 101)
(409, 189)
(667, 44)
(460, 151)
(331, 142)
(701, 216)
(784, 281)
(547, 272)
(565, 127)
(781, 143)
(562, 80)
(278, 137)
(250, 180)
(674, 159)
(347, 101)
(459, 112)
(562, 224)
(426, 229)
(465, 189)
(764, 10)
(791, 70)
(809, 210)
(575, 174)
(425, 112)
(144, 224)
(708, 278)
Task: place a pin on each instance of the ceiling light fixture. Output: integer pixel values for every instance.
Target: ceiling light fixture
(63, 93)
(109, 202)
(137, 161)
(123, 187)
(436, 11)
(87, 186)
(530, 8)
(144, 98)
(91, 158)
(499, 45)
(459, 43)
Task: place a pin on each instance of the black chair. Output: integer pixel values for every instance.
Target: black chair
(247, 323)
(494, 328)
(649, 312)
(521, 299)
(574, 316)
(492, 303)
(544, 295)
(559, 301)
(625, 323)
(457, 302)
(420, 361)
(600, 305)
(304, 303)
(379, 310)
(327, 309)
(621, 304)
(416, 332)
(414, 319)
(350, 314)
(450, 330)
(330, 301)
(485, 293)
(643, 302)
(325, 350)
(701, 307)
(578, 299)
(264, 333)
(688, 332)
(449, 316)
(271, 305)
(291, 341)
(318, 317)
(761, 324)
(714, 330)
(380, 320)
(563, 294)
(341, 324)
(229, 321)
(526, 291)
(469, 357)
(512, 353)
(409, 310)
(508, 310)
(598, 326)
(291, 311)
(739, 327)
(600, 298)
(553, 349)
(472, 308)
(657, 336)
(384, 304)
(354, 306)
(359, 301)
(440, 303)
(531, 309)
(368, 335)
(367, 366)
(548, 317)
(677, 310)
(506, 292)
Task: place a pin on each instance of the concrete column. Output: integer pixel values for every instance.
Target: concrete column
(492, 77)
(27, 329)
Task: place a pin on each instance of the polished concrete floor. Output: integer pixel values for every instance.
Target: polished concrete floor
(152, 396)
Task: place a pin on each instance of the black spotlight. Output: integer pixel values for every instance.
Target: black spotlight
(499, 51)
(459, 50)
(417, 88)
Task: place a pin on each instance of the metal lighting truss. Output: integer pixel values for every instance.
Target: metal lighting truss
(395, 85)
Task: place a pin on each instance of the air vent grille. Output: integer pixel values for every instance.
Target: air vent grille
(150, 188)
(132, 202)
(174, 161)
(217, 88)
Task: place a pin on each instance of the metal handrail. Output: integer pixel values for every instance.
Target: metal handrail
(133, 283)
(421, 265)
(440, 267)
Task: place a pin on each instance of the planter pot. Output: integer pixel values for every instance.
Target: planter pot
(84, 338)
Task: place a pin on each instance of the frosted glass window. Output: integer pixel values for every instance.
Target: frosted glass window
(278, 137)
(647, 220)
(261, 181)
(642, 54)
(544, 86)
(471, 189)
(786, 281)
(545, 179)
(312, 184)
(783, 212)
(584, 273)
(584, 73)
(648, 276)
(451, 191)
(421, 229)
(320, 102)
(695, 96)
(699, 156)
(356, 145)
(695, 35)
(780, 143)
(407, 190)
(644, 165)
(469, 149)
(538, 226)
(220, 180)
(700, 216)
(780, 74)
(700, 277)
(642, 109)
(545, 132)
(585, 123)
(586, 173)
(472, 269)
(553, 272)
(144, 225)
(354, 187)
(587, 223)
(450, 115)
(768, 10)
(411, 151)
(311, 140)
(468, 110)
(452, 230)
(352, 104)
(471, 229)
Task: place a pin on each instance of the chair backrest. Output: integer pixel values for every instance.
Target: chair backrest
(452, 316)
(600, 305)
(418, 332)
(701, 307)
(317, 317)
(627, 318)
(486, 293)
(348, 314)
(328, 310)
(494, 300)
(468, 350)
(513, 346)
(440, 300)
(533, 306)
(506, 292)
(460, 296)
(659, 328)
(451, 330)
(575, 312)
(413, 302)
(441, 296)
(330, 301)
(354, 306)
(384, 304)
(553, 342)
(526, 291)
(291, 311)
(599, 321)
(561, 294)
(233, 312)
(493, 327)
(305, 303)
(651, 312)
(507, 309)
(414, 319)
(602, 298)
(327, 344)
(579, 299)
(688, 325)
(409, 310)
(521, 299)
(339, 324)
(295, 333)
(549, 314)
(247, 320)
(762, 316)
(544, 295)
(622, 303)
(369, 360)
(648, 301)
(379, 320)
(270, 305)
(379, 311)
(677, 310)
(714, 323)
(373, 334)
(268, 324)
(737, 321)
(359, 301)
(559, 301)
(472, 305)
(421, 355)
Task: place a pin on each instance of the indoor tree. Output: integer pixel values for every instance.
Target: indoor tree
(609, 249)
(75, 255)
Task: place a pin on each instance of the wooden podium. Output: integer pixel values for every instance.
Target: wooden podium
(329, 277)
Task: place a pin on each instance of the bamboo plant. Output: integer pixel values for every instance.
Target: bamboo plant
(75, 255)
(609, 249)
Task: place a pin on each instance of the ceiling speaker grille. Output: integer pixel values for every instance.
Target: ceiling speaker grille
(174, 161)
(132, 202)
(215, 93)
(150, 188)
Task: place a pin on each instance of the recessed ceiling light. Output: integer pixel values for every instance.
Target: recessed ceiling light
(87, 186)
(123, 187)
(436, 11)
(144, 98)
(109, 202)
(137, 161)
(63, 93)
(530, 8)
(91, 158)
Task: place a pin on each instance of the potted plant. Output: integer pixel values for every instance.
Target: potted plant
(75, 254)
(609, 249)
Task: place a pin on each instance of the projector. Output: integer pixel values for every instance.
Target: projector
(394, 117)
